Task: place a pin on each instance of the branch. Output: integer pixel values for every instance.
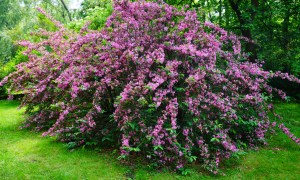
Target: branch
(66, 8)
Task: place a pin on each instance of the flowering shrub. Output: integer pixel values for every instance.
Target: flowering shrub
(154, 81)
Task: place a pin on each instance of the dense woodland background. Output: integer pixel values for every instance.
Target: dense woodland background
(272, 26)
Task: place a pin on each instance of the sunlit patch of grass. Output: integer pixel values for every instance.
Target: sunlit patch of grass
(28, 155)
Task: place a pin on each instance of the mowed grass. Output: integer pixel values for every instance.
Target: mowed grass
(28, 155)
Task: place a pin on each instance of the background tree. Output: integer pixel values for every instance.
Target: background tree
(17, 19)
(271, 26)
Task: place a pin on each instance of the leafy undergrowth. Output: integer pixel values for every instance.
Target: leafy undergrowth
(27, 155)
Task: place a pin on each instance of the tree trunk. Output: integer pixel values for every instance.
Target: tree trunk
(246, 32)
(66, 8)
(285, 26)
(220, 13)
(227, 14)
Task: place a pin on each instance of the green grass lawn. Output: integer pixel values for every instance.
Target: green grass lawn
(28, 155)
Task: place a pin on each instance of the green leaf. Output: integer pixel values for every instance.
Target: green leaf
(214, 140)
(180, 89)
(158, 147)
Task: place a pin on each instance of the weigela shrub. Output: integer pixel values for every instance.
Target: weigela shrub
(154, 81)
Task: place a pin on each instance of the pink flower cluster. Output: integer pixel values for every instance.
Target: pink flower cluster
(289, 134)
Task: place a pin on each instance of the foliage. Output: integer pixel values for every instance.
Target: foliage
(10, 67)
(6, 48)
(95, 13)
(272, 25)
(19, 19)
(56, 8)
(3, 92)
(13, 27)
(10, 14)
(89, 5)
(154, 79)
